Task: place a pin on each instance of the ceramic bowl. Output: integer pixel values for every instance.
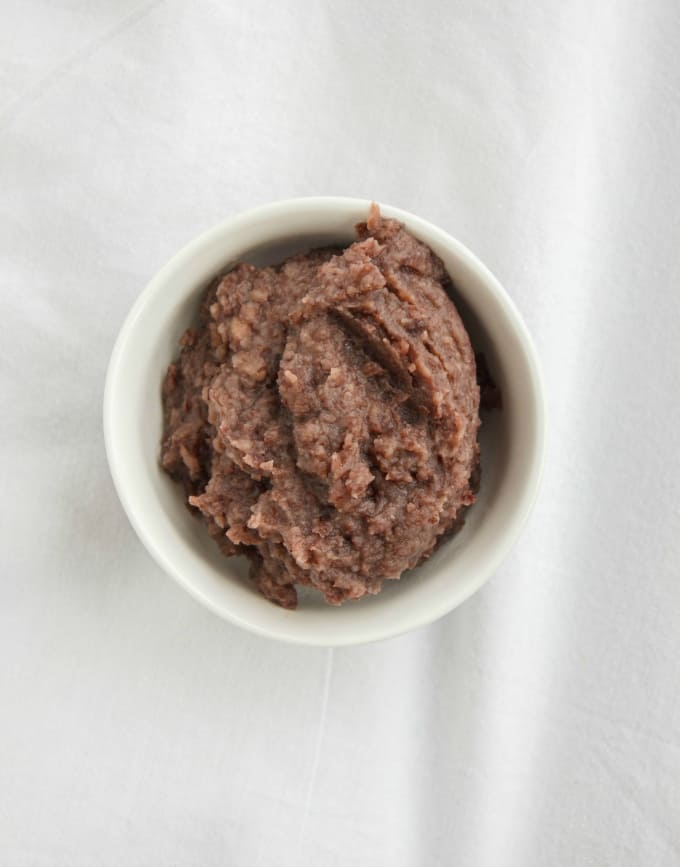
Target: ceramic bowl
(512, 440)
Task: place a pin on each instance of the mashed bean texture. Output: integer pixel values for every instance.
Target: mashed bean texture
(322, 415)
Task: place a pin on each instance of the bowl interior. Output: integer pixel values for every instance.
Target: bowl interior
(511, 440)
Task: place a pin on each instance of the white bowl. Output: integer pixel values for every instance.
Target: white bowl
(512, 440)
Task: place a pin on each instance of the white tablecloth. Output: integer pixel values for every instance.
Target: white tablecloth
(539, 724)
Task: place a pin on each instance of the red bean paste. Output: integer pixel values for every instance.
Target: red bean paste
(322, 415)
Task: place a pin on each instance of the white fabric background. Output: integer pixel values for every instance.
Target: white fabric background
(539, 724)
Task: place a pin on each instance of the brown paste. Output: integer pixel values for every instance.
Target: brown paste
(322, 415)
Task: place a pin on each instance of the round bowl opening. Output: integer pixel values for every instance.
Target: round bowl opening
(511, 440)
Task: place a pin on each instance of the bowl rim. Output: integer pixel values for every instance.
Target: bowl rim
(516, 520)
